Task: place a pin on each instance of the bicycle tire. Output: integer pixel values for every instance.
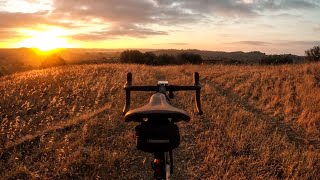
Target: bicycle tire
(167, 164)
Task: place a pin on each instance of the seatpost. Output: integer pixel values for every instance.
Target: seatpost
(162, 89)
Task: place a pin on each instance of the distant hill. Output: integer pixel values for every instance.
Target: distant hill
(23, 59)
(17, 60)
(66, 123)
(253, 57)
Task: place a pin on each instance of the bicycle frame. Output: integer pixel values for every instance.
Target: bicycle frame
(162, 164)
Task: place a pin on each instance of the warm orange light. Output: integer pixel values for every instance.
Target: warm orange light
(45, 40)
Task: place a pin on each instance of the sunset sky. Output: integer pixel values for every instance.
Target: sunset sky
(271, 26)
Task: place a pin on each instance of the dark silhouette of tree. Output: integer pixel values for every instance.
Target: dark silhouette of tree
(189, 58)
(313, 54)
(53, 60)
(149, 58)
(277, 59)
(164, 59)
(131, 56)
(135, 56)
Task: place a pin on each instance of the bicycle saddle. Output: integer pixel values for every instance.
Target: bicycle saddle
(157, 108)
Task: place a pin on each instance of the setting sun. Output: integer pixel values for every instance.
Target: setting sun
(45, 40)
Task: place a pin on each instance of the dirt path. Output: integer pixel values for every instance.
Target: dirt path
(139, 162)
(295, 134)
(206, 147)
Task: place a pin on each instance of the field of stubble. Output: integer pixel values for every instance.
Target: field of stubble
(259, 122)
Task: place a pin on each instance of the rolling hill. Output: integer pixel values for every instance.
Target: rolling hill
(259, 122)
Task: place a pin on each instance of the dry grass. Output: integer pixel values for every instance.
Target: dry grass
(66, 123)
(291, 92)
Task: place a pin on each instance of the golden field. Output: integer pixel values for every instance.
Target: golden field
(259, 122)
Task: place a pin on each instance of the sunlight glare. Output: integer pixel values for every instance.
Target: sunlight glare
(46, 40)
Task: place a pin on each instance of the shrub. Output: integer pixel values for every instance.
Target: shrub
(232, 61)
(149, 58)
(164, 59)
(53, 60)
(277, 59)
(132, 56)
(189, 58)
(313, 54)
(135, 56)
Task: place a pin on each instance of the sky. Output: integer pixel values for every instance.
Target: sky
(270, 26)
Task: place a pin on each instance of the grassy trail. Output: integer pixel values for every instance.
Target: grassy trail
(234, 139)
(294, 134)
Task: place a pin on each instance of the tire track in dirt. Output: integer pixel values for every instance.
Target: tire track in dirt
(186, 156)
(182, 155)
(62, 126)
(294, 134)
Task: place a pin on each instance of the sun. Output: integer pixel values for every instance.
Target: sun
(45, 39)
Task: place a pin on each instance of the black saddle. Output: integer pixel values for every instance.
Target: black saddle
(157, 108)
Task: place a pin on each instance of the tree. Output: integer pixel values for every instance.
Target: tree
(189, 58)
(132, 56)
(149, 58)
(313, 54)
(135, 56)
(164, 59)
(277, 59)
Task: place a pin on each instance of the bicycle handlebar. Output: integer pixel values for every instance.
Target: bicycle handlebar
(128, 88)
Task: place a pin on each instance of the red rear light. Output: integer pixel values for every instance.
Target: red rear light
(156, 162)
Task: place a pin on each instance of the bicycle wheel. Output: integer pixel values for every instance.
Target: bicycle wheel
(162, 166)
(167, 164)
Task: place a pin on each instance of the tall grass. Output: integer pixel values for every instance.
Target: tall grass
(260, 122)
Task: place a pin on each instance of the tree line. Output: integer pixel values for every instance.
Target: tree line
(312, 55)
(149, 58)
(277, 59)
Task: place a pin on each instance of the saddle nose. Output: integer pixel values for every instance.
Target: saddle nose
(158, 107)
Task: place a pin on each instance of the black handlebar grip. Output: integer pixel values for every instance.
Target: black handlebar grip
(128, 84)
(129, 78)
(197, 96)
(196, 79)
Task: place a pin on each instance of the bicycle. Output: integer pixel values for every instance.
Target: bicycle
(157, 132)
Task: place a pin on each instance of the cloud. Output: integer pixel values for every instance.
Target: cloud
(276, 5)
(286, 15)
(251, 43)
(224, 8)
(136, 18)
(123, 18)
(101, 19)
(9, 22)
(126, 11)
(4, 34)
(179, 44)
(115, 32)
(317, 28)
(174, 43)
(12, 20)
(277, 43)
(299, 43)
